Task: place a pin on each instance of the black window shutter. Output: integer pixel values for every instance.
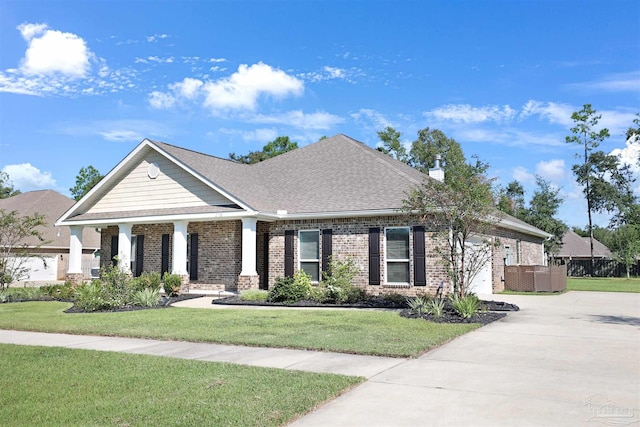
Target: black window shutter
(327, 248)
(193, 257)
(288, 252)
(165, 254)
(114, 250)
(419, 273)
(139, 255)
(265, 258)
(374, 256)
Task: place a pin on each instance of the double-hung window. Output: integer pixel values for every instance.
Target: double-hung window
(397, 254)
(309, 253)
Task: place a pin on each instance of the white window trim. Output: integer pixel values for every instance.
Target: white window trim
(300, 260)
(386, 259)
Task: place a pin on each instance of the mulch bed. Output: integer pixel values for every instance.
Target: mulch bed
(491, 310)
(164, 303)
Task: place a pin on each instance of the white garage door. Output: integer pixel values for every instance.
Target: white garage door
(37, 270)
(482, 283)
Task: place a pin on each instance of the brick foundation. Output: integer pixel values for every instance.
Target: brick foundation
(248, 282)
(75, 278)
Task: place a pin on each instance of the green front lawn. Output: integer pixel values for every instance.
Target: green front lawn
(383, 333)
(603, 284)
(58, 386)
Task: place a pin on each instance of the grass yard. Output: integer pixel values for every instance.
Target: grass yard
(603, 284)
(383, 333)
(57, 386)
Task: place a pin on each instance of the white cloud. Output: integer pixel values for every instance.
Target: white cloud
(154, 38)
(327, 73)
(521, 174)
(27, 177)
(188, 88)
(29, 31)
(241, 90)
(618, 82)
(630, 155)
(298, 119)
(159, 60)
(551, 111)
(465, 113)
(161, 101)
(122, 135)
(217, 59)
(51, 51)
(552, 170)
(372, 118)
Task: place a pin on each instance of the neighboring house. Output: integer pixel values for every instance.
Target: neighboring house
(55, 250)
(576, 247)
(222, 225)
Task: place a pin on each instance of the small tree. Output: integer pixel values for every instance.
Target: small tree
(462, 210)
(86, 179)
(280, 145)
(392, 145)
(6, 186)
(15, 250)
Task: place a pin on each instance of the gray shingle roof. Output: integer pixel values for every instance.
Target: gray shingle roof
(575, 246)
(337, 174)
(51, 204)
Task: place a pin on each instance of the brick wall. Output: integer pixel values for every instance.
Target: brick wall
(219, 252)
(351, 239)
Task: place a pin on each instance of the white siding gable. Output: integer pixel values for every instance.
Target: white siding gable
(172, 188)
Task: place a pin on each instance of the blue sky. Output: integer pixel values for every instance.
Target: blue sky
(83, 82)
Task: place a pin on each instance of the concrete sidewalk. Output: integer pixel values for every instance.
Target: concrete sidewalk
(301, 360)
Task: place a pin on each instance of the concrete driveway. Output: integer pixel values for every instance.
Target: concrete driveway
(562, 360)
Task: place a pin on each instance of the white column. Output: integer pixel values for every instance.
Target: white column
(249, 247)
(75, 250)
(180, 248)
(124, 247)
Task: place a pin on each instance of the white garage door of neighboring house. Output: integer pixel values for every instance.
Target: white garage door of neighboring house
(482, 283)
(37, 270)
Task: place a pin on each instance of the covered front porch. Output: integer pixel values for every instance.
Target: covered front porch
(210, 254)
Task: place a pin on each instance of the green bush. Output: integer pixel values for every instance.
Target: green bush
(171, 284)
(337, 282)
(117, 284)
(92, 297)
(147, 280)
(60, 292)
(254, 295)
(419, 304)
(465, 307)
(291, 289)
(146, 297)
(435, 307)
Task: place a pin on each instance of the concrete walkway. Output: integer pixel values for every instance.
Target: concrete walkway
(563, 360)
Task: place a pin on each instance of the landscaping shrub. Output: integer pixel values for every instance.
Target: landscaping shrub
(419, 304)
(435, 307)
(465, 307)
(254, 295)
(337, 282)
(147, 280)
(59, 292)
(92, 297)
(291, 289)
(171, 283)
(146, 297)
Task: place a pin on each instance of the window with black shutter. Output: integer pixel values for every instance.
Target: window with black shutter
(288, 252)
(139, 256)
(419, 273)
(164, 250)
(374, 256)
(192, 256)
(327, 249)
(114, 250)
